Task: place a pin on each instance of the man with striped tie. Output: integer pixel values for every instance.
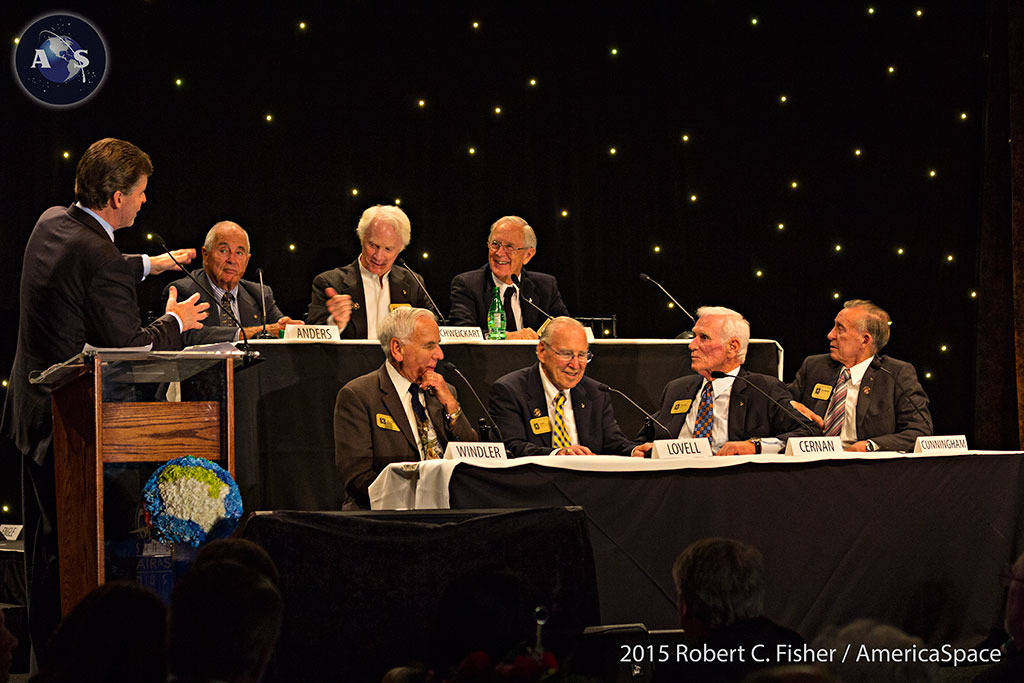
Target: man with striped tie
(550, 408)
(737, 418)
(873, 402)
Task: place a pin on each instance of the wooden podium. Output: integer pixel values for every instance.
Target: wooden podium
(94, 424)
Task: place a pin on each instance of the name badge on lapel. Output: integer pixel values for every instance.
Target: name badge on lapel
(822, 391)
(386, 422)
(681, 407)
(540, 425)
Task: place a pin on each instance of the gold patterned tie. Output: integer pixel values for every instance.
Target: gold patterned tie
(559, 432)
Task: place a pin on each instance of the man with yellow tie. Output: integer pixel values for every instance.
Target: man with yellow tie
(550, 408)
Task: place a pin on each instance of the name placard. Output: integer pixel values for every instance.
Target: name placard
(475, 450)
(814, 445)
(451, 333)
(940, 444)
(312, 332)
(11, 531)
(682, 448)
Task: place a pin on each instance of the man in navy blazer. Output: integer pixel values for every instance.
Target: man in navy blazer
(78, 288)
(225, 257)
(885, 407)
(743, 421)
(524, 403)
(510, 246)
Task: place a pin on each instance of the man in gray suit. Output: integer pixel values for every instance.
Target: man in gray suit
(873, 402)
(402, 411)
(225, 258)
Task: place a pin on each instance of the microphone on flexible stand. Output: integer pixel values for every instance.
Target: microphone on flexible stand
(877, 364)
(515, 281)
(649, 420)
(249, 354)
(401, 262)
(448, 365)
(687, 334)
(263, 334)
(717, 374)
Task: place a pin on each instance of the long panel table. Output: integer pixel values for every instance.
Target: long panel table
(284, 405)
(916, 541)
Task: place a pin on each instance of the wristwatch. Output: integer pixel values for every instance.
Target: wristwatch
(870, 446)
(757, 445)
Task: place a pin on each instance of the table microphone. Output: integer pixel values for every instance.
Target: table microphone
(515, 281)
(877, 364)
(231, 314)
(446, 365)
(654, 420)
(401, 262)
(717, 374)
(647, 278)
(263, 334)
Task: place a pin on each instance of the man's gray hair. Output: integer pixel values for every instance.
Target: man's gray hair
(389, 215)
(529, 236)
(733, 325)
(400, 324)
(554, 324)
(720, 580)
(211, 236)
(876, 322)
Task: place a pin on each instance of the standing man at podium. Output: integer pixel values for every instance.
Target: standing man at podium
(77, 288)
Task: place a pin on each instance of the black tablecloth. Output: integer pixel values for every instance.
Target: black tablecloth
(284, 406)
(919, 542)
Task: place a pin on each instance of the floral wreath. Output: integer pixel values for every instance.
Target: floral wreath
(191, 500)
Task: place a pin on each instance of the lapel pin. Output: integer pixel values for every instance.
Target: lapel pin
(536, 412)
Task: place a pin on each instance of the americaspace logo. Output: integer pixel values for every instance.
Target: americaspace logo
(60, 60)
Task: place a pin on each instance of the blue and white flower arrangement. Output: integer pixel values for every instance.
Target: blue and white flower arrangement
(191, 500)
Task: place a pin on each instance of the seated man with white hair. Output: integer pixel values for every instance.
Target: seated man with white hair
(402, 411)
(738, 419)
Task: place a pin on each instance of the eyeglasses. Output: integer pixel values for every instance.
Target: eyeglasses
(583, 357)
(496, 246)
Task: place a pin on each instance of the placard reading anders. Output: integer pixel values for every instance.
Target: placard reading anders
(312, 332)
(475, 450)
(682, 448)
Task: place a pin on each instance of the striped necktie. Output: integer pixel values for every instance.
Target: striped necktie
(835, 416)
(559, 432)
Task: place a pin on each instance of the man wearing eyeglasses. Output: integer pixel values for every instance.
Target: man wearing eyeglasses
(550, 408)
(738, 419)
(510, 246)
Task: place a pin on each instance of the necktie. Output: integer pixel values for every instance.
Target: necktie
(559, 432)
(225, 317)
(510, 317)
(836, 413)
(705, 414)
(428, 438)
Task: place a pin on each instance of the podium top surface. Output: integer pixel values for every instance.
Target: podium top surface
(138, 366)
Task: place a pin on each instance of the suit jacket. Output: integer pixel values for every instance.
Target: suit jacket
(751, 415)
(76, 288)
(405, 289)
(472, 293)
(518, 397)
(250, 308)
(363, 447)
(886, 411)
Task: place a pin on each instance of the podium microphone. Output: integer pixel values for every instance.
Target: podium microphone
(515, 281)
(647, 278)
(717, 374)
(263, 334)
(448, 365)
(401, 262)
(231, 314)
(653, 420)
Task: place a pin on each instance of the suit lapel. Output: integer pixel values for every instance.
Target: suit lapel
(537, 404)
(393, 402)
(249, 307)
(352, 282)
(583, 411)
(398, 286)
(737, 408)
(867, 385)
(531, 317)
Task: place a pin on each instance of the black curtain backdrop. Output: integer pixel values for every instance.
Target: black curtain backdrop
(714, 112)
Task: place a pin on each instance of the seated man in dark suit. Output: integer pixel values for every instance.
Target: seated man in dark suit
(737, 419)
(510, 246)
(225, 257)
(370, 287)
(550, 408)
(402, 411)
(873, 402)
